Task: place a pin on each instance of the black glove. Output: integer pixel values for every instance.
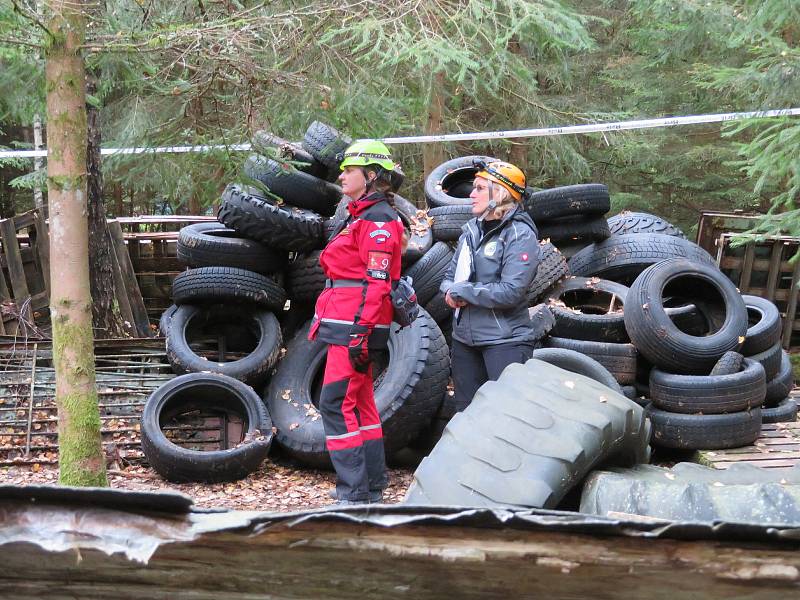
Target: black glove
(358, 352)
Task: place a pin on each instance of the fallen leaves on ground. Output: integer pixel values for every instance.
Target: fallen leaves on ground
(274, 487)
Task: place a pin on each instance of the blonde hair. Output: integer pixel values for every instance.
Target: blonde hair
(504, 200)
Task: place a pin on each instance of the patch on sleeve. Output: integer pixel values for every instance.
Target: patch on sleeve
(524, 256)
(378, 260)
(378, 264)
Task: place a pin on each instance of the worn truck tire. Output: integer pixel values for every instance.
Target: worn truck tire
(691, 493)
(589, 309)
(165, 320)
(575, 362)
(252, 368)
(408, 391)
(770, 359)
(709, 394)
(552, 269)
(226, 284)
(294, 186)
(731, 362)
(214, 245)
(622, 258)
(448, 221)
(254, 217)
(640, 222)
(784, 412)
(528, 438)
(571, 230)
(289, 151)
(429, 271)
(780, 386)
(442, 179)
(619, 359)
(305, 278)
(704, 432)
(205, 391)
(587, 199)
(765, 325)
(655, 335)
(326, 144)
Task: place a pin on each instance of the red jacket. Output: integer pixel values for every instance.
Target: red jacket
(360, 262)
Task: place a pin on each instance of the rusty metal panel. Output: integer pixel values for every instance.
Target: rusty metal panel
(127, 372)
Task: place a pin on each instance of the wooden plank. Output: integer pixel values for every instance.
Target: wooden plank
(759, 264)
(159, 219)
(791, 305)
(747, 268)
(167, 264)
(16, 271)
(25, 220)
(129, 280)
(43, 249)
(123, 300)
(774, 269)
(28, 255)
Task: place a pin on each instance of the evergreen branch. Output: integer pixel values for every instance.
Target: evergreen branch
(18, 42)
(31, 16)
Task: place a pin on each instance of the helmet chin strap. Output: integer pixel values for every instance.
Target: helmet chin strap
(490, 206)
(369, 182)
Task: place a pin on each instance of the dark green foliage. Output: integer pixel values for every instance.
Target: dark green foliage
(186, 72)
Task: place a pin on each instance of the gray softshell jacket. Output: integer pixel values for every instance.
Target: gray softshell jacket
(504, 263)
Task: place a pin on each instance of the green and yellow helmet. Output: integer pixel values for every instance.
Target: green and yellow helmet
(367, 152)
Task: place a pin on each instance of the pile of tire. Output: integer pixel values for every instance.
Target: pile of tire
(252, 282)
(653, 309)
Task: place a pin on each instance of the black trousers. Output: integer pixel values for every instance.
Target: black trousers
(472, 366)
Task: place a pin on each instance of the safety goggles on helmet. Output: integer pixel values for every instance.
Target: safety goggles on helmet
(365, 153)
(503, 173)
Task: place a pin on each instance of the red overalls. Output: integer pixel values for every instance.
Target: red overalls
(360, 261)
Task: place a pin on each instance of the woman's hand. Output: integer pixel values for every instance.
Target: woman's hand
(452, 303)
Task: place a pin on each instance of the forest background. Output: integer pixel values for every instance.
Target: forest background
(215, 71)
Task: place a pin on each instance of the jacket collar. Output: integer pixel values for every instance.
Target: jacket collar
(518, 214)
(356, 207)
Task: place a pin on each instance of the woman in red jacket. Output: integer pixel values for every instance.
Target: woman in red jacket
(353, 315)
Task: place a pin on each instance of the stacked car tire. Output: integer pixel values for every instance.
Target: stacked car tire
(252, 282)
(242, 310)
(706, 359)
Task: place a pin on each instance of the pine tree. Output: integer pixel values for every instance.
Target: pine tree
(81, 460)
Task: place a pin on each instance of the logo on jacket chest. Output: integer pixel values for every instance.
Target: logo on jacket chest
(490, 249)
(381, 234)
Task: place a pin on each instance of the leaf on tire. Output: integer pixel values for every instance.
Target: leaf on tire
(294, 426)
(741, 339)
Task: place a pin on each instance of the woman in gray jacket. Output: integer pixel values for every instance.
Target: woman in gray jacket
(495, 262)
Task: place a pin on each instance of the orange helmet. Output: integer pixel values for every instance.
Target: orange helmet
(506, 174)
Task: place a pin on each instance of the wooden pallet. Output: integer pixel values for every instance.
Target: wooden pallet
(777, 446)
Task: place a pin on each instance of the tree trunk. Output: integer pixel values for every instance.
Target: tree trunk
(38, 163)
(119, 207)
(81, 460)
(433, 153)
(108, 322)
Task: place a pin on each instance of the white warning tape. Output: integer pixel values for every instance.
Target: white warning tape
(459, 137)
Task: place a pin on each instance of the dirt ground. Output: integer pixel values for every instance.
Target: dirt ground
(274, 487)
